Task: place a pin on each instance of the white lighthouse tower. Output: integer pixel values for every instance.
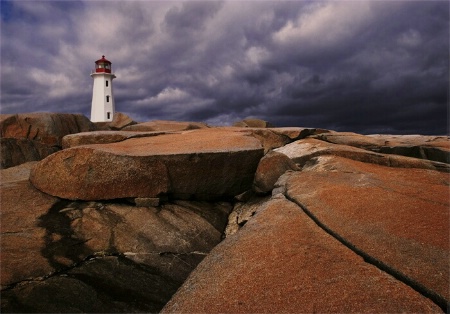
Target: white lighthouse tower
(102, 108)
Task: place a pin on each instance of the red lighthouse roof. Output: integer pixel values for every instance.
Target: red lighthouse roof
(103, 65)
(103, 60)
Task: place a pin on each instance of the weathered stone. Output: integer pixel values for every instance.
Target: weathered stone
(242, 212)
(270, 168)
(282, 262)
(351, 139)
(303, 150)
(423, 152)
(18, 151)
(253, 123)
(121, 120)
(396, 216)
(272, 138)
(162, 125)
(146, 201)
(181, 165)
(436, 148)
(100, 285)
(53, 247)
(102, 137)
(22, 237)
(47, 128)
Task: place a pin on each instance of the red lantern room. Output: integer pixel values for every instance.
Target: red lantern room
(102, 65)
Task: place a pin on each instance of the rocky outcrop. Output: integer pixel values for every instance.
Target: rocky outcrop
(204, 164)
(435, 148)
(34, 136)
(282, 262)
(16, 151)
(397, 217)
(303, 150)
(97, 257)
(46, 128)
(312, 220)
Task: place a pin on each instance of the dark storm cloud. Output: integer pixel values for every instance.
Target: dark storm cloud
(363, 66)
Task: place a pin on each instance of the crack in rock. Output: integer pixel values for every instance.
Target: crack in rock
(433, 296)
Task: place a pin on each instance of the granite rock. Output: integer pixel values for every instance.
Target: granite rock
(203, 164)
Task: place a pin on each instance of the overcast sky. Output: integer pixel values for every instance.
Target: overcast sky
(361, 66)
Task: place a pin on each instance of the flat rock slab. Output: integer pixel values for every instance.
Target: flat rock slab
(435, 148)
(397, 216)
(102, 137)
(165, 125)
(201, 164)
(303, 150)
(282, 262)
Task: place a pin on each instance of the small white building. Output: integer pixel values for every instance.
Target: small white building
(102, 109)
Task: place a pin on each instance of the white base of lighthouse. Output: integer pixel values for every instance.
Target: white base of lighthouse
(102, 108)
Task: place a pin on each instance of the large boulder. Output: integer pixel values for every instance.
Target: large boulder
(395, 217)
(281, 261)
(202, 164)
(47, 128)
(270, 168)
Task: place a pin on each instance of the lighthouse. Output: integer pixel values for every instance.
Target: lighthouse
(102, 108)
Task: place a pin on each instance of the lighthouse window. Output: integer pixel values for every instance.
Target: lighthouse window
(109, 115)
(107, 98)
(106, 83)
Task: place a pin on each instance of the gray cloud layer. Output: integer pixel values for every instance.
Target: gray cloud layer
(363, 66)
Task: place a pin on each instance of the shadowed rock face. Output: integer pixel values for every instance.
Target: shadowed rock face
(47, 128)
(97, 257)
(16, 151)
(34, 136)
